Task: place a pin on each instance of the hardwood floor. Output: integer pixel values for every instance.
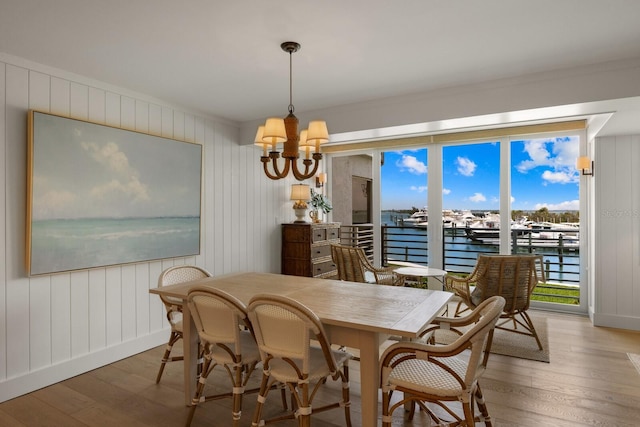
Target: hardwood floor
(589, 382)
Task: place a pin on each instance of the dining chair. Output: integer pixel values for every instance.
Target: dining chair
(285, 331)
(173, 306)
(353, 266)
(226, 339)
(511, 276)
(442, 374)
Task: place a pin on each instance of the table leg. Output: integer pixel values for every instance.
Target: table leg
(369, 376)
(190, 352)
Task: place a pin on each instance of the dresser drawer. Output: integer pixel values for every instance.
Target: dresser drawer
(320, 251)
(319, 234)
(322, 268)
(333, 233)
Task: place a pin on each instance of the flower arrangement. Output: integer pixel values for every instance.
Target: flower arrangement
(319, 202)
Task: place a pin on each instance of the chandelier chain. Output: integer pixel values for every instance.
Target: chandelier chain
(291, 107)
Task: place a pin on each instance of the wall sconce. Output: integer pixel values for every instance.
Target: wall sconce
(300, 193)
(585, 165)
(321, 178)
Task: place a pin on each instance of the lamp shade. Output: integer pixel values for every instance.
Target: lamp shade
(300, 192)
(274, 131)
(583, 162)
(317, 132)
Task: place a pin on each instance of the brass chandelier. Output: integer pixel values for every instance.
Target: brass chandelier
(277, 130)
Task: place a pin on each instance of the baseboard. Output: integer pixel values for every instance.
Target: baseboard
(616, 321)
(32, 381)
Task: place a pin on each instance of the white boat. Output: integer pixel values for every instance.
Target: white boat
(528, 232)
(417, 217)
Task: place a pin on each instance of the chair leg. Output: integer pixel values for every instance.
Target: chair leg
(175, 336)
(469, 417)
(531, 328)
(386, 398)
(345, 395)
(199, 390)
(262, 395)
(482, 406)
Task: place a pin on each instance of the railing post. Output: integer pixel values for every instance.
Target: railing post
(384, 245)
(560, 249)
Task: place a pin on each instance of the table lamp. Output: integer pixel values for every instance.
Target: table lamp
(300, 193)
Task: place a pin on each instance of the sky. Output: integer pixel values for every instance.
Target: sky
(543, 174)
(84, 170)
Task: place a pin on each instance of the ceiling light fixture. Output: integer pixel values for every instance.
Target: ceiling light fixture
(277, 130)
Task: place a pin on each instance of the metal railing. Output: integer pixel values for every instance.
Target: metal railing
(461, 248)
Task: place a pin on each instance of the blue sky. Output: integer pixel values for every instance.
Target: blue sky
(542, 171)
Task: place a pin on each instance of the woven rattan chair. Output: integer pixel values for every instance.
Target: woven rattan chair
(226, 339)
(171, 276)
(284, 330)
(353, 266)
(511, 276)
(439, 373)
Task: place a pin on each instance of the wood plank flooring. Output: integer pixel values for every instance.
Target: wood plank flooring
(589, 382)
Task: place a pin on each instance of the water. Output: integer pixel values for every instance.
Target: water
(73, 244)
(464, 251)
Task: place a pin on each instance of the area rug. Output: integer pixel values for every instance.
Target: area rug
(635, 359)
(512, 344)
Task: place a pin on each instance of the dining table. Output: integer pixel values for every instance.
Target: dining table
(356, 315)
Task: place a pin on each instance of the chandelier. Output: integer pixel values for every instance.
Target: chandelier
(277, 130)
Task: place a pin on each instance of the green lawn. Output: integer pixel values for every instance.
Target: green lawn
(549, 292)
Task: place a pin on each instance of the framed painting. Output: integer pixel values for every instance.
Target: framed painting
(100, 195)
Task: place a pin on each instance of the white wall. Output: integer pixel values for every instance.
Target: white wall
(54, 327)
(617, 232)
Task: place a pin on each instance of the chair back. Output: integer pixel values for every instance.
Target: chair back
(511, 276)
(480, 336)
(219, 318)
(171, 276)
(284, 329)
(348, 261)
(180, 274)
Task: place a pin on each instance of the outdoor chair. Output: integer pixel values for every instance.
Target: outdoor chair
(226, 339)
(511, 276)
(353, 266)
(441, 374)
(173, 306)
(294, 350)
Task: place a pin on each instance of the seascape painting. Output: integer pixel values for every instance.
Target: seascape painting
(101, 196)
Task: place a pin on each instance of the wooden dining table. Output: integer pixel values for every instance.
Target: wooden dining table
(356, 315)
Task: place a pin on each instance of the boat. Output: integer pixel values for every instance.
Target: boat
(419, 217)
(527, 232)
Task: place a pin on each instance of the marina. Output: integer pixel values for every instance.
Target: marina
(559, 243)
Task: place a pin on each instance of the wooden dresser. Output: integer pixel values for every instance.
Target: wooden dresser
(306, 249)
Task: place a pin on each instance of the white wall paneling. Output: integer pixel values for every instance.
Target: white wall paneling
(60, 325)
(617, 237)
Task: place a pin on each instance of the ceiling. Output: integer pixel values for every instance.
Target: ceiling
(223, 57)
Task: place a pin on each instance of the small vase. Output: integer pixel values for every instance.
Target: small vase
(315, 216)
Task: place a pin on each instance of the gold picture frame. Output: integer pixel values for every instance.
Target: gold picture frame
(100, 195)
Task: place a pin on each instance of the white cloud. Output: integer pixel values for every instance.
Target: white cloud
(559, 177)
(419, 189)
(478, 197)
(558, 154)
(446, 191)
(569, 205)
(411, 164)
(109, 155)
(466, 166)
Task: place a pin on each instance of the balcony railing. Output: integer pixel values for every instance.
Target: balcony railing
(461, 248)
